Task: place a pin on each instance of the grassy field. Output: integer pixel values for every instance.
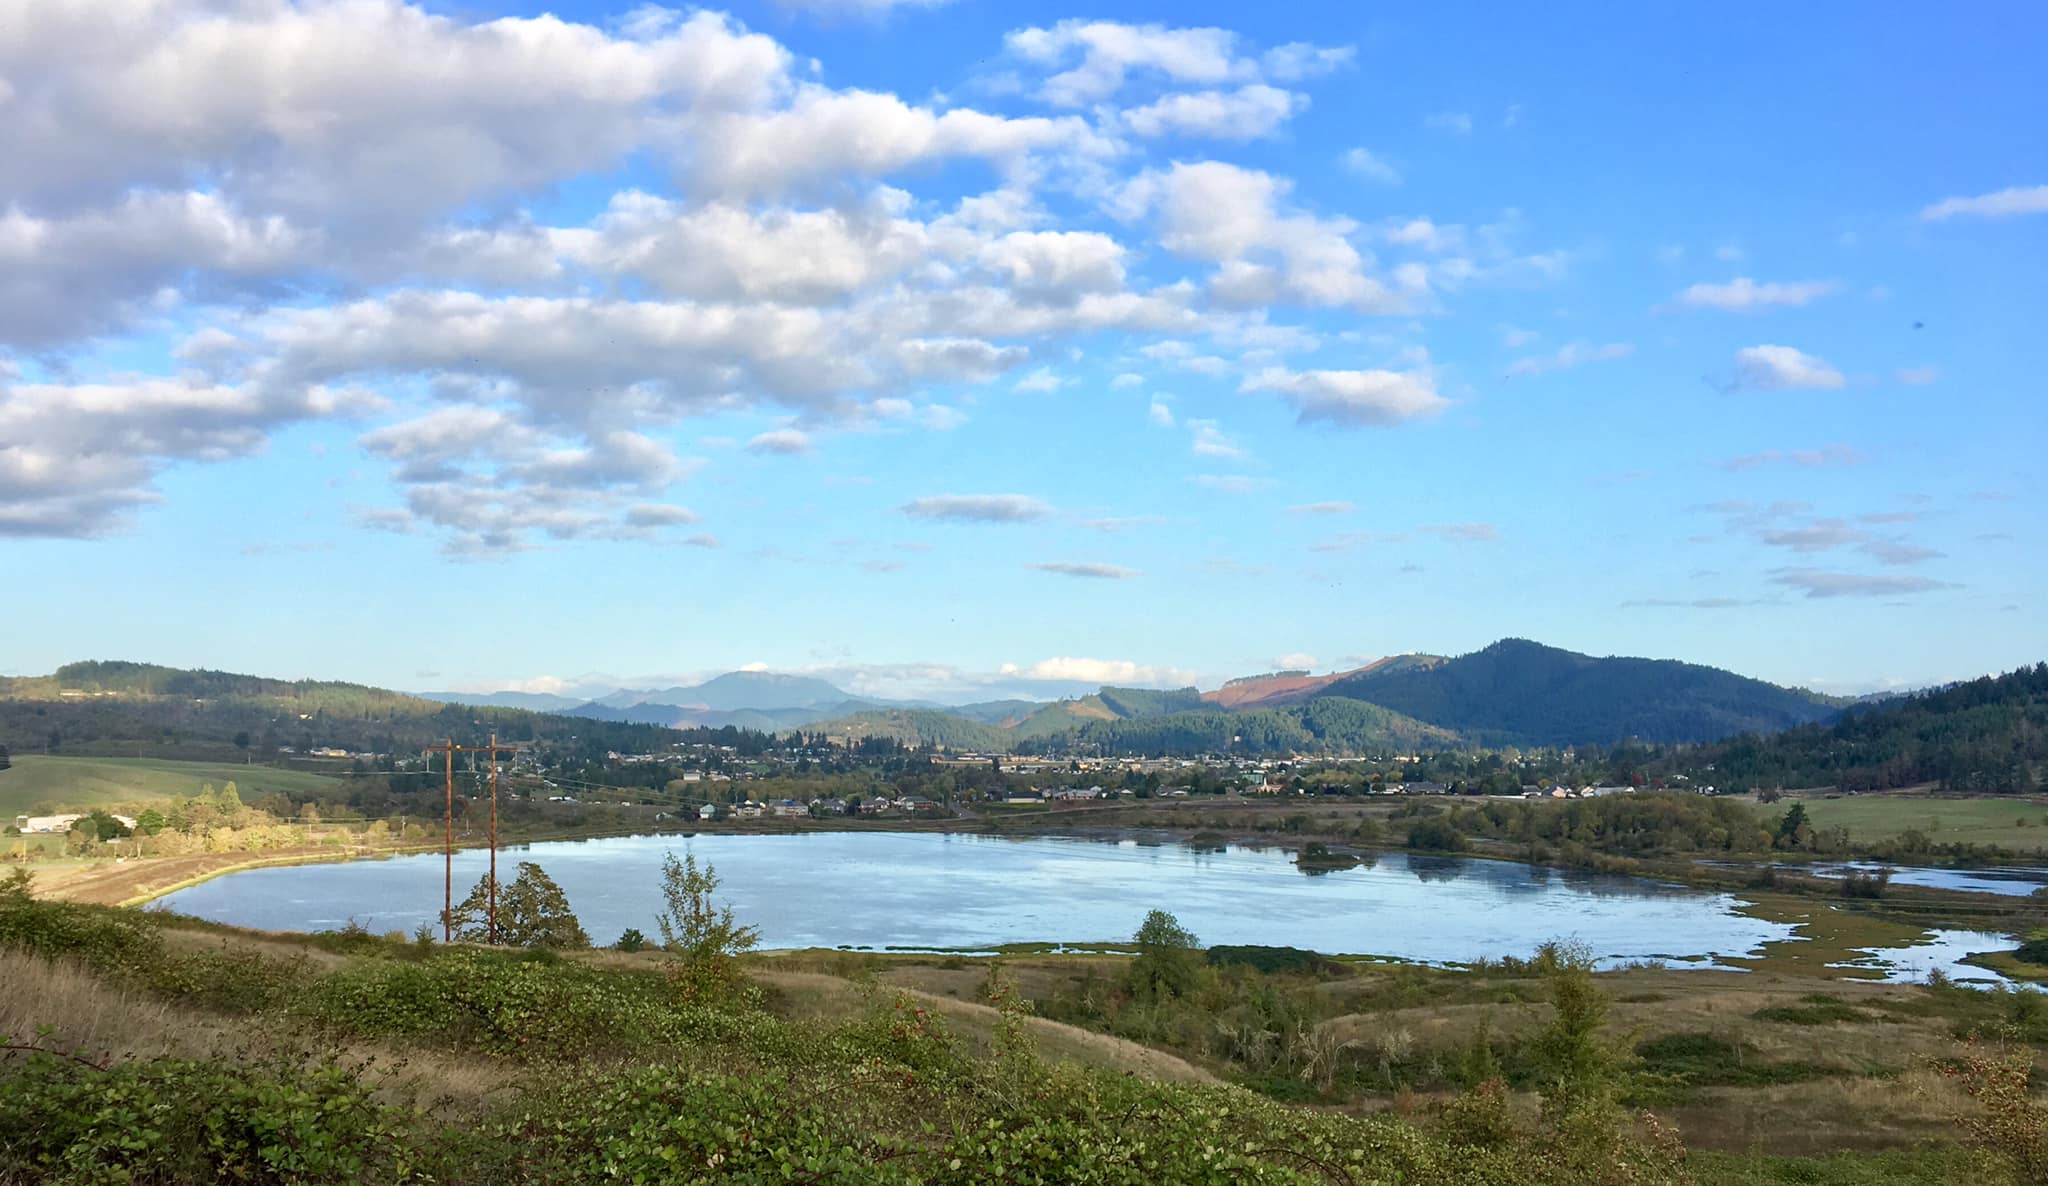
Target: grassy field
(80, 783)
(2006, 822)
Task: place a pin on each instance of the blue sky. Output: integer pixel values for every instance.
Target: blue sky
(957, 349)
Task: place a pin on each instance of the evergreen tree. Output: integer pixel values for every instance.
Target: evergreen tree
(532, 912)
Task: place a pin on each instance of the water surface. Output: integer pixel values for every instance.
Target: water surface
(934, 890)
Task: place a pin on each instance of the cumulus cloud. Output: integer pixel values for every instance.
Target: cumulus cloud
(1353, 399)
(1246, 113)
(1820, 583)
(1091, 571)
(1782, 368)
(1743, 295)
(76, 459)
(1265, 251)
(1295, 661)
(2004, 203)
(1094, 58)
(1569, 355)
(1161, 414)
(979, 508)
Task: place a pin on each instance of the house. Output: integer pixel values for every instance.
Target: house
(915, 803)
(876, 806)
(48, 823)
(749, 810)
(788, 808)
(1017, 796)
(707, 811)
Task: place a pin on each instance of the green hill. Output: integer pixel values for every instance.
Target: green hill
(75, 784)
(1517, 692)
(1986, 735)
(912, 726)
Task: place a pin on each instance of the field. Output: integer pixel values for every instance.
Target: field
(35, 781)
(2006, 822)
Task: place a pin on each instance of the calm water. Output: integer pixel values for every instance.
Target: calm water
(2011, 881)
(829, 889)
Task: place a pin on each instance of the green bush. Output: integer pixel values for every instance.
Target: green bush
(181, 1120)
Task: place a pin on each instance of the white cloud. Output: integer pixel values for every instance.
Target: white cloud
(1246, 113)
(1780, 368)
(1210, 441)
(76, 459)
(1322, 508)
(1100, 671)
(1296, 661)
(1918, 376)
(1569, 355)
(1094, 58)
(1161, 415)
(786, 441)
(1743, 294)
(1089, 571)
(1353, 399)
(1515, 339)
(1234, 217)
(1039, 382)
(1127, 379)
(2004, 203)
(979, 508)
(1457, 123)
(1362, 162)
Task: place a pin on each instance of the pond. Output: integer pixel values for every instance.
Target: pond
(2008, 880)
(932, 890)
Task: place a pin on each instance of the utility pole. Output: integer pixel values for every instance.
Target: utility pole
(448, 749)
(492, 923)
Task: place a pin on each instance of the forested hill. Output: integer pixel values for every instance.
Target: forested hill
(1517, 692)
(141, 709)
(1988, 734)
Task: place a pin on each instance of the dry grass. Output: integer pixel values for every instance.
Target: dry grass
(63, 1007)
(818, 996)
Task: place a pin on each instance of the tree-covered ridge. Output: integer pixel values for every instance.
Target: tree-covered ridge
(1988, 734)
(910, 726)
(98, 706)
(1324, 725)
(149, 679)
(1517, 692)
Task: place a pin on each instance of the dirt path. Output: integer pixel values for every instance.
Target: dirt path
(113, 882)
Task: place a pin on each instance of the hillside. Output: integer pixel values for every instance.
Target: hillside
(33, 781)
(1293, 687)
(1517, 692)
(123, 709)
(1986, 735)
(913, 726)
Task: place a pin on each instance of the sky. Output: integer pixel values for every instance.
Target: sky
(959, 349)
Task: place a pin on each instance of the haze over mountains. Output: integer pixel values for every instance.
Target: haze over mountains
(1514, 692)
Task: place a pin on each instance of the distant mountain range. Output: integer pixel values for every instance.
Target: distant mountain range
(1514, 692)
(764, 700)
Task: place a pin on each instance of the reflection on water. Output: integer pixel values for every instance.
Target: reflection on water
(1941, 949)
(2012, 882)
(948, 890)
